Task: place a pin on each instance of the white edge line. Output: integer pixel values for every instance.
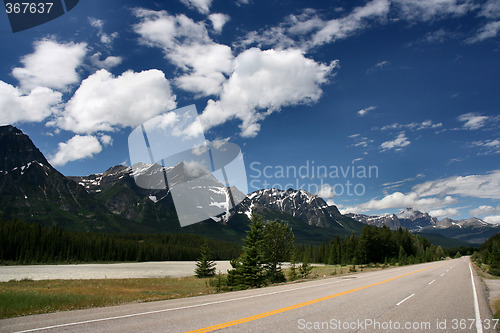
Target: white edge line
(171, 309)
(407, 298)
(183, 307)
(479, 325)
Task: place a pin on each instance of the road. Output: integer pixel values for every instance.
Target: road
(444, 296)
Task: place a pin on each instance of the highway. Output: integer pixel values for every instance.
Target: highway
(445, 296)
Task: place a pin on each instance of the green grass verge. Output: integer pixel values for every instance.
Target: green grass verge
(26, 297)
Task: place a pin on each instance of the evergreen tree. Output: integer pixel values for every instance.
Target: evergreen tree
(277, 246)
(293, 268)
(248, 269)
(205, 267)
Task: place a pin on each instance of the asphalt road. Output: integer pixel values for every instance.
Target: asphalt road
(442, 296)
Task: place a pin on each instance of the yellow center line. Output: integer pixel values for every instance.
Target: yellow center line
(299, 305)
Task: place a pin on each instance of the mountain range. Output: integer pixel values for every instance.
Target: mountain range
(32, 190)
(472, 230)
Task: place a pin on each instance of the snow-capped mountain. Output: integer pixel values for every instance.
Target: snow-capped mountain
(299, 204)
(125, 188)
(472, 230)
(31, 189)
(409, 218)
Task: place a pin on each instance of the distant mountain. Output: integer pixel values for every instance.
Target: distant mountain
(31, 189)
(472, 230)
(409, 218)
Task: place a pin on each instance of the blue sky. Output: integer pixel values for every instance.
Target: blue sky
(406, 89)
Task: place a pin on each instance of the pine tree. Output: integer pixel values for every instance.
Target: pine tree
(277, 246)
(205, 267)
(248, 270)
(293, 268)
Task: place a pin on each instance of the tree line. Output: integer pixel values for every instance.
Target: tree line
(267, 246)
(373, 245)
(32, 243)
(488, 255)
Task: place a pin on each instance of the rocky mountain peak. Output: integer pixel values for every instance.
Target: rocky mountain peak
(17, 149)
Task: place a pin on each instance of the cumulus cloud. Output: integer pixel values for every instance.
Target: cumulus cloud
(103, 102)
(472, 121)
(364, 112)
(218, 21)
(187, 45)
(401, 200)
(76, 148)
(493, 219)
(479, 186)
(52, 65)
(448, 212)
(439, 194)
(264, 82)
(36, 106)
(108, 63)
(397, 144)
(203, 6)
(326, 192)
(484, 210)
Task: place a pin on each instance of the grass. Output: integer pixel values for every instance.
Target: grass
(27, 297)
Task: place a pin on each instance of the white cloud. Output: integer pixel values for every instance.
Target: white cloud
(76, 148)
(479, 186)
(106, 140)
(187, 45)
(491, 146)
(491, 9)
(264, 82)
(379, 66)
(473, 121)
(427, 124)
(308, 29)
(103, 102)
(206, 65)
(36, 106)
(326, 192)
(52, 65)
(203, 6)
(448, 212)
(489, 30)
(493, 219)
(106, 39)
(358, 19)
(364, 112)
(427, 10)
(107, 63)
(218, 21)
(401, 200)
(397, 144)
(484, 210)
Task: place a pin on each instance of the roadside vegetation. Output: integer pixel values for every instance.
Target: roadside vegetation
(259, 262)
(24, 243)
